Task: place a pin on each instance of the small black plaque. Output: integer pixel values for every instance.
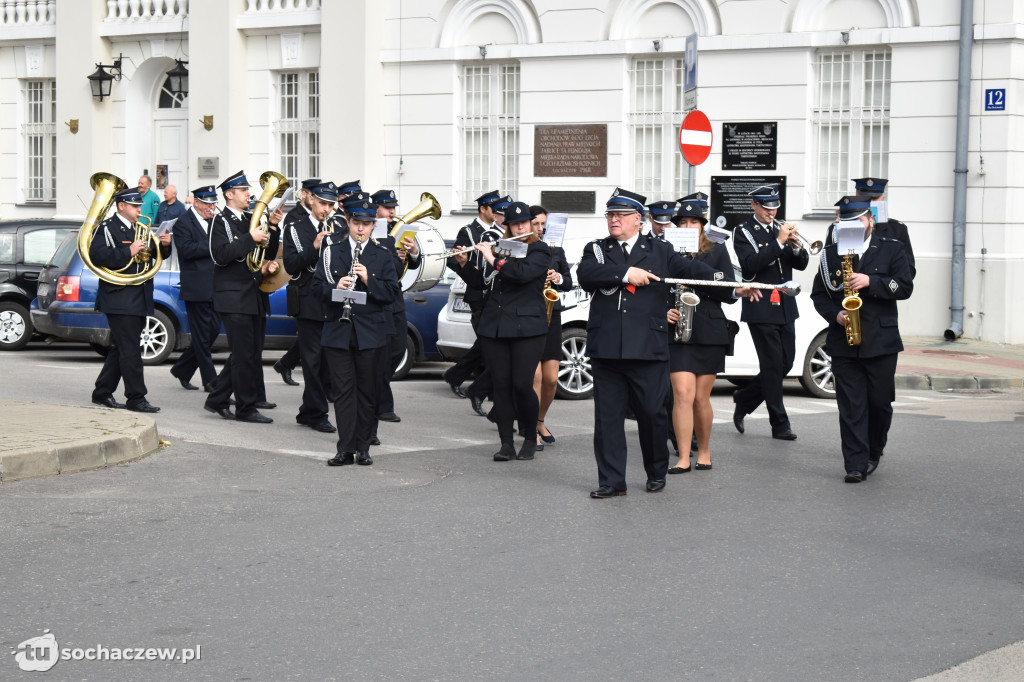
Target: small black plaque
(730, 204)
(568, 202)
(749, 146)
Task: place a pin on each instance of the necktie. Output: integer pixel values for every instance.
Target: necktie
(625, 250)
(320, 227)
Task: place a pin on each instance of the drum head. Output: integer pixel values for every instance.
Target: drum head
(431, 268)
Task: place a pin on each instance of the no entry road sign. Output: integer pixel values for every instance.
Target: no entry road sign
(695, 137)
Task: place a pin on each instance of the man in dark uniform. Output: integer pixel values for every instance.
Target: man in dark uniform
(864, 374)
(301, 242)
(351, 346)
(768, 253)
(300, 211)
(405, 255)
(471, 268)
(873, 189)
(627, 340)
(192, 239)
(661, 213)
(237, 298)
(114, 247)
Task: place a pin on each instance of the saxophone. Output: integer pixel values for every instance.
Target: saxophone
(686, 301)
(346, 310)
(851, 304)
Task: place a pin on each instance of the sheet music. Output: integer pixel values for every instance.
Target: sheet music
(880, 210)
(685, 239)
(554, 234)
(849, 237)
(380, 229)
(274, 203)
(166, 226)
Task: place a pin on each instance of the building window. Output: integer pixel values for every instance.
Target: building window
(490, 130)
(297, 127)
(168, 99)
(39, 134)
(656, 112)
(851, 120)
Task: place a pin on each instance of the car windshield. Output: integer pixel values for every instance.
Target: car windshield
(61, 258)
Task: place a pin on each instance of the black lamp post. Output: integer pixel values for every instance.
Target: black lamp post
(178, 77)
(100, 81)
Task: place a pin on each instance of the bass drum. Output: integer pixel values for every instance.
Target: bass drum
(431, 268)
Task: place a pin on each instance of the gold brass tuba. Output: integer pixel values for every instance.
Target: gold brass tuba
(428, 206)
(851, 304)
(106, 186)
(274, 185)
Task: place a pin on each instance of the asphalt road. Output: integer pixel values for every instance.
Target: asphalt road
(438, 563)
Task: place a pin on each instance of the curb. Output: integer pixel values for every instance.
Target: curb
(943, 382)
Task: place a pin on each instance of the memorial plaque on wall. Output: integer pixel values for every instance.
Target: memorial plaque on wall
(730, 200)
(749, 146)
(568, 202)
(568, 150)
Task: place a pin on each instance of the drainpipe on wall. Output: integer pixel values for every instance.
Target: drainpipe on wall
(963, 118)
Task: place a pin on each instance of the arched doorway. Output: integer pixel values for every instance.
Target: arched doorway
(170, 139)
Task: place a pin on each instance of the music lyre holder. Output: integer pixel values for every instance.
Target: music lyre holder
(342, 295)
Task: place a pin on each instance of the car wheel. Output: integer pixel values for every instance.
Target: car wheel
(15, 326)
(575, 377)
(817, 374)
(158, 337)
(408, 359)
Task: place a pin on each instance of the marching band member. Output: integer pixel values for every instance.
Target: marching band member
(351, 345)
(302, 239)
(125, 306)
(873, 189)
(192, 240)
(627, 340)
(768, 253)
(661, 213)
(546, 379)
(695, 363)
(864, 372)
(242, 306)
(512, 331)
(470, 267)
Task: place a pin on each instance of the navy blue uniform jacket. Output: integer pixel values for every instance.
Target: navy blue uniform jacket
(110, 248)
(193, 245)
(515, 306)
(631, 326)
(300, 259)
(710, 327)
(235, 289)
(885, 262)
(763, 260)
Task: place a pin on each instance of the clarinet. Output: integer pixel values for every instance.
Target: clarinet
(346, 311)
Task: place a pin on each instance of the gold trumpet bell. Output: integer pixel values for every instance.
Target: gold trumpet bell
(429, 207)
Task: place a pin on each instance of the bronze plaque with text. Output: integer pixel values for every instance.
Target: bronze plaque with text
(567, 150)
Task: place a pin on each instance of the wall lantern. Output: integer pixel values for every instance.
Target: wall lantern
(178, 77)
(101, 80)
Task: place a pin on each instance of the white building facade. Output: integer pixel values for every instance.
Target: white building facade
(447, 96)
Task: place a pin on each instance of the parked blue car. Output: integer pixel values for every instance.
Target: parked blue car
(65, 308)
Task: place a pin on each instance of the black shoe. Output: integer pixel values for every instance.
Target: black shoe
(185, 383)
(737, 419)
(679, 470)
(526, 451)
(456, 388)
(389, 417)
(702, 467)
(286, 374)
(655, 485)
(254, 417)
(109, 402)
(550, 438)
(209, 387)
(478, 404)
(264, 405)
(374, 440)
(143, 406)
(606, 491)
(364, 459)
(854, 477)
(224, 412)
(507, 452)
(341, 459)
(784, 435)
(323, 426)
(872, 465)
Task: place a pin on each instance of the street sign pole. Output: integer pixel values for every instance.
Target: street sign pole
(690, 96)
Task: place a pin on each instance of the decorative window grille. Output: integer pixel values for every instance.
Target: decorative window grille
(489, 127)
(297, 127)
(656, 112)
(850, 119)
(168, 99)
(39, 134)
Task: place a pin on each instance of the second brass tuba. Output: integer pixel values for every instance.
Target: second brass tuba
(106, 186)
(274, 185)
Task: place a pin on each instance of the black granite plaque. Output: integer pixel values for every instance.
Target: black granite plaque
(568, 202)
(730, 203)
(749, 146)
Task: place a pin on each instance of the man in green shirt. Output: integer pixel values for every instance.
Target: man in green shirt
(150, 199)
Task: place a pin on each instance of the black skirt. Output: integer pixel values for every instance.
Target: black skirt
(696, 358)
(553, 344)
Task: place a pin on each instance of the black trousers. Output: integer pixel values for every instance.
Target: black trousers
(204, 323)
(865, 389)
(354, 377)
(123, 361)
(243, 372)
(314, 372)
(473, 361)
(513, 363)
(642, 384)
(776, 349)
(291, 357)
(390, 358)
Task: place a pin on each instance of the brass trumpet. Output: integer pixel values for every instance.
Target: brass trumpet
(274, 185)
(814, 248)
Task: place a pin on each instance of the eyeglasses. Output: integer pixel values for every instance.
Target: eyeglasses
(619, 214)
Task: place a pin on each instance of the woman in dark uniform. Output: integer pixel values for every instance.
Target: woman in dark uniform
(546, 378)
(695, 363)
(512, 330)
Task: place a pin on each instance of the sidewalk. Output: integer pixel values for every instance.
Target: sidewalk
(939, 365)
(43, 440)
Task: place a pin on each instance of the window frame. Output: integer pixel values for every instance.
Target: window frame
(658, 117)
(303, 127)
(38, 139)
(495, 162)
